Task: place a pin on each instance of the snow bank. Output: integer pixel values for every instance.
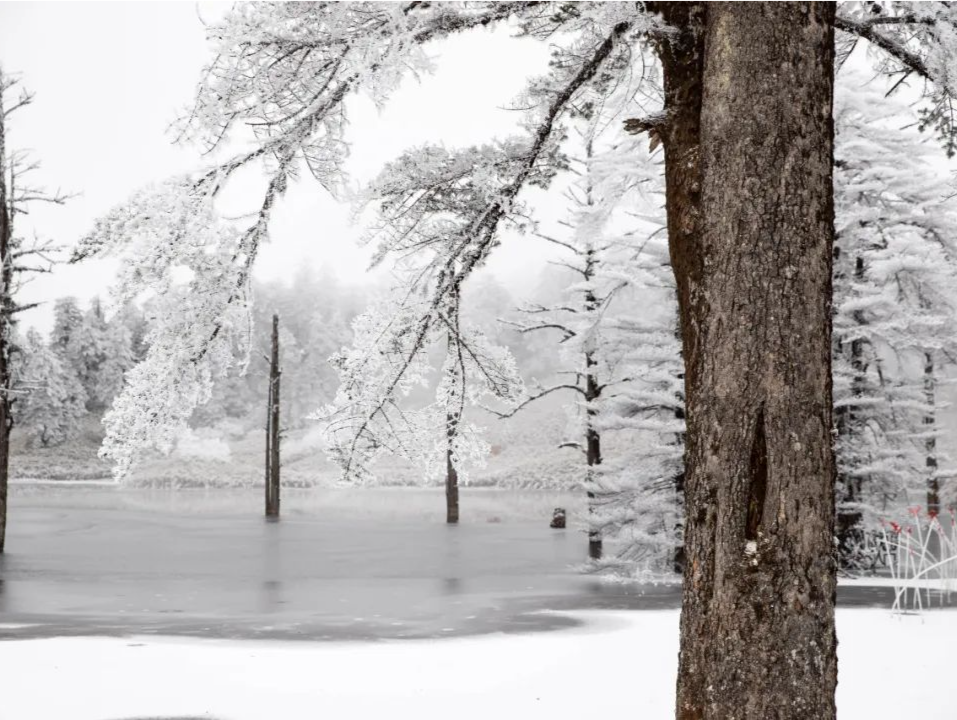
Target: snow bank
(619, 664)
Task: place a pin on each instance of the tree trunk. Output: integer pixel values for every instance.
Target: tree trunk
(930, 444)
(678, 559)
(757, 623)
(453, 413)
(849, 530)
(682, 54)
(6, 425)
(592, 394)
(6, 312)
(272, 427)
(451, 474)
(592, 448)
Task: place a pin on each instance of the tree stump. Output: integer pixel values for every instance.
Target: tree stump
(558, 519)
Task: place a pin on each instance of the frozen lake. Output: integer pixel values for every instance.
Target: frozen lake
(340, 564)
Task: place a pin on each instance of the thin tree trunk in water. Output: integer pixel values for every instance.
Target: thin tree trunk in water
(592, 393)
(930, 444)
(757, 622)
(451, 474)
(272, 427)
(453, 413)
(592, 448)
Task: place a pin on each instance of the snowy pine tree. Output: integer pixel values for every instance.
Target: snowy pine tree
(107, 353)
(66, 338)
(895, 324)
(51, 400)
(621, 365)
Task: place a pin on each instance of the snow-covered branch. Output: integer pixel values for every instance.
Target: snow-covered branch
(916, 38)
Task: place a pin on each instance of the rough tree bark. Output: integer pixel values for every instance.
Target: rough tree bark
(272, 426)
(757, 623)
(682, 55)
(678, 559)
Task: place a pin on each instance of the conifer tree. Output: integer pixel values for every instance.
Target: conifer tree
(51, 399)
(895, 323)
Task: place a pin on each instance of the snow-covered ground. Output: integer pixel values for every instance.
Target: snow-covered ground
(618, 664)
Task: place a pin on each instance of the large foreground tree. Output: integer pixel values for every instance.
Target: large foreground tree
(747, 131)
(757, 624)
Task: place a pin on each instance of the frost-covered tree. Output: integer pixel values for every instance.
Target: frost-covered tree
(107, 354)
(97, 350)
(19, 257)
(895, 325)
(639, 496)
(193, 269)
(282, 73)
(66, 338)
(610, 352)
(51, 400)
(389, 358)
(431, 201)
(747, 98)
(133, 318)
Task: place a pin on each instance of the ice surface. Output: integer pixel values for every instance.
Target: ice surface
(350, 564)
(340, 564)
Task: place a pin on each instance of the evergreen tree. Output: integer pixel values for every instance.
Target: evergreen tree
(614, 327)
(66, 338)
(106, 355)
(895, 324)
(52, 401)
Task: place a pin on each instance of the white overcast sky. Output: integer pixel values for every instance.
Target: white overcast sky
(109, 78)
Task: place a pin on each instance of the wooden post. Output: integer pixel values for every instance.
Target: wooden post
(272, 427)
